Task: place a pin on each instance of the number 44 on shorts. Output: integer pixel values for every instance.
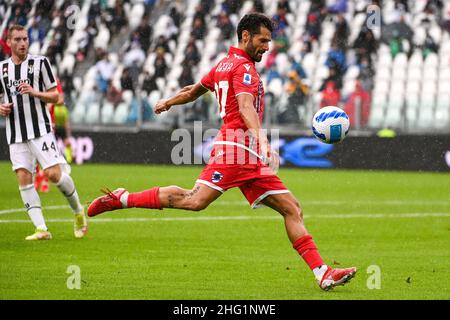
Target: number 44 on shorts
(45, 147)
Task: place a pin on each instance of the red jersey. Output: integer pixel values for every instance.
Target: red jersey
(234, 75)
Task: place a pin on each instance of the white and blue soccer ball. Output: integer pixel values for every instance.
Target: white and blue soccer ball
(330, 124)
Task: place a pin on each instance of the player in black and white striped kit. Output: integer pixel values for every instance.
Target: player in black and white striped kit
(27, 84)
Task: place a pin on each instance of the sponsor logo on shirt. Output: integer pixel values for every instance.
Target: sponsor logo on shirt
(247, 67)
(216, 176)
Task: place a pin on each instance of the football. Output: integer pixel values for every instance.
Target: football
(330, 124)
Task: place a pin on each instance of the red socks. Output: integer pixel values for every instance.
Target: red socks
(145, 199)
(307, 249)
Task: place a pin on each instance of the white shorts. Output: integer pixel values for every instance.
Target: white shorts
(43, 149)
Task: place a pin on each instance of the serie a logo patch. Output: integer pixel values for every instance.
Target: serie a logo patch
(247, 79)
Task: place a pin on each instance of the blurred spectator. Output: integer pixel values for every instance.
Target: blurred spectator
(281, 41)
(149, 83)
(224, 23)
(280, 19)
(366, 74)
(191, 55)
(113, 95)
(297, 67)
(175, 15)
(395, 33)
(434, 7)
(401, 5)
(358, 107)
(297, 92)
(105, 71)
(232, 6)
(258, 6)
(336, 59)
(198, 29)
(4, 48)
(126, 81)
(35, 34)
(429, 45)
(272, 73)
(339, 6)
(334, 77)
(135, 56)
(331, 95)
(313, 26)
(85, 40)
(145, 32)
(365, 45)
(162, 43)
(160, 65)
(342, 32)
(186, 78)
(207, 5)
(117, 18)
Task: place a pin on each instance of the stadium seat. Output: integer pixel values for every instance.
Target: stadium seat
(414, 74)
(427, 100)
(276, 87)
(430, 75)
(443, 101)
(385, 60)
(393, 118)
(376, 118)
(400, 61)
(442, 118)
(381, 87)
(121, 114)
(431, 61)
(444, 87)
(399, 74)
(429, 88)
(412, 87)
(396, 100)
(397, 87)
(93, 113)
(107, 112)
(352, 72)
(383, 73)
(425, 119)
(416, 60)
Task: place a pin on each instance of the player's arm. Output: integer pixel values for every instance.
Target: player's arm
(49, 96)
(5, 108)
(251, 120)
(185, 95)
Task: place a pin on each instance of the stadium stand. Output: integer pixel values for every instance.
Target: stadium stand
(116, 58)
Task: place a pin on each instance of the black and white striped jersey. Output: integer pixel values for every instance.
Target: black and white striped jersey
(30, 117)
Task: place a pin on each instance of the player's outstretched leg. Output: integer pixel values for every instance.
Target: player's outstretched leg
(196, 199)
(290, 209)
(66, 185)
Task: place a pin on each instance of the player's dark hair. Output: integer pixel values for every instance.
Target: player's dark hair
(253, 22)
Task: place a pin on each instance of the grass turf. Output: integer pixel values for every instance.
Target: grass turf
(398, 221)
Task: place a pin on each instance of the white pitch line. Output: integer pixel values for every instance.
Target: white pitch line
(312, 202)
(250, 217)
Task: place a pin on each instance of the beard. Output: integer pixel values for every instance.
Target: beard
(253, 53)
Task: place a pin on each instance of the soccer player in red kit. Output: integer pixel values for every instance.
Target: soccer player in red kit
(241, 156)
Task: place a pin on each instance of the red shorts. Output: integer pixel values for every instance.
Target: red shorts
(256, 182)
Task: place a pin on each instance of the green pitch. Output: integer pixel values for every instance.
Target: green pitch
(393, 226)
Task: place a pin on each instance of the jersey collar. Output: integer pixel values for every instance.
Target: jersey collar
(234, 50)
